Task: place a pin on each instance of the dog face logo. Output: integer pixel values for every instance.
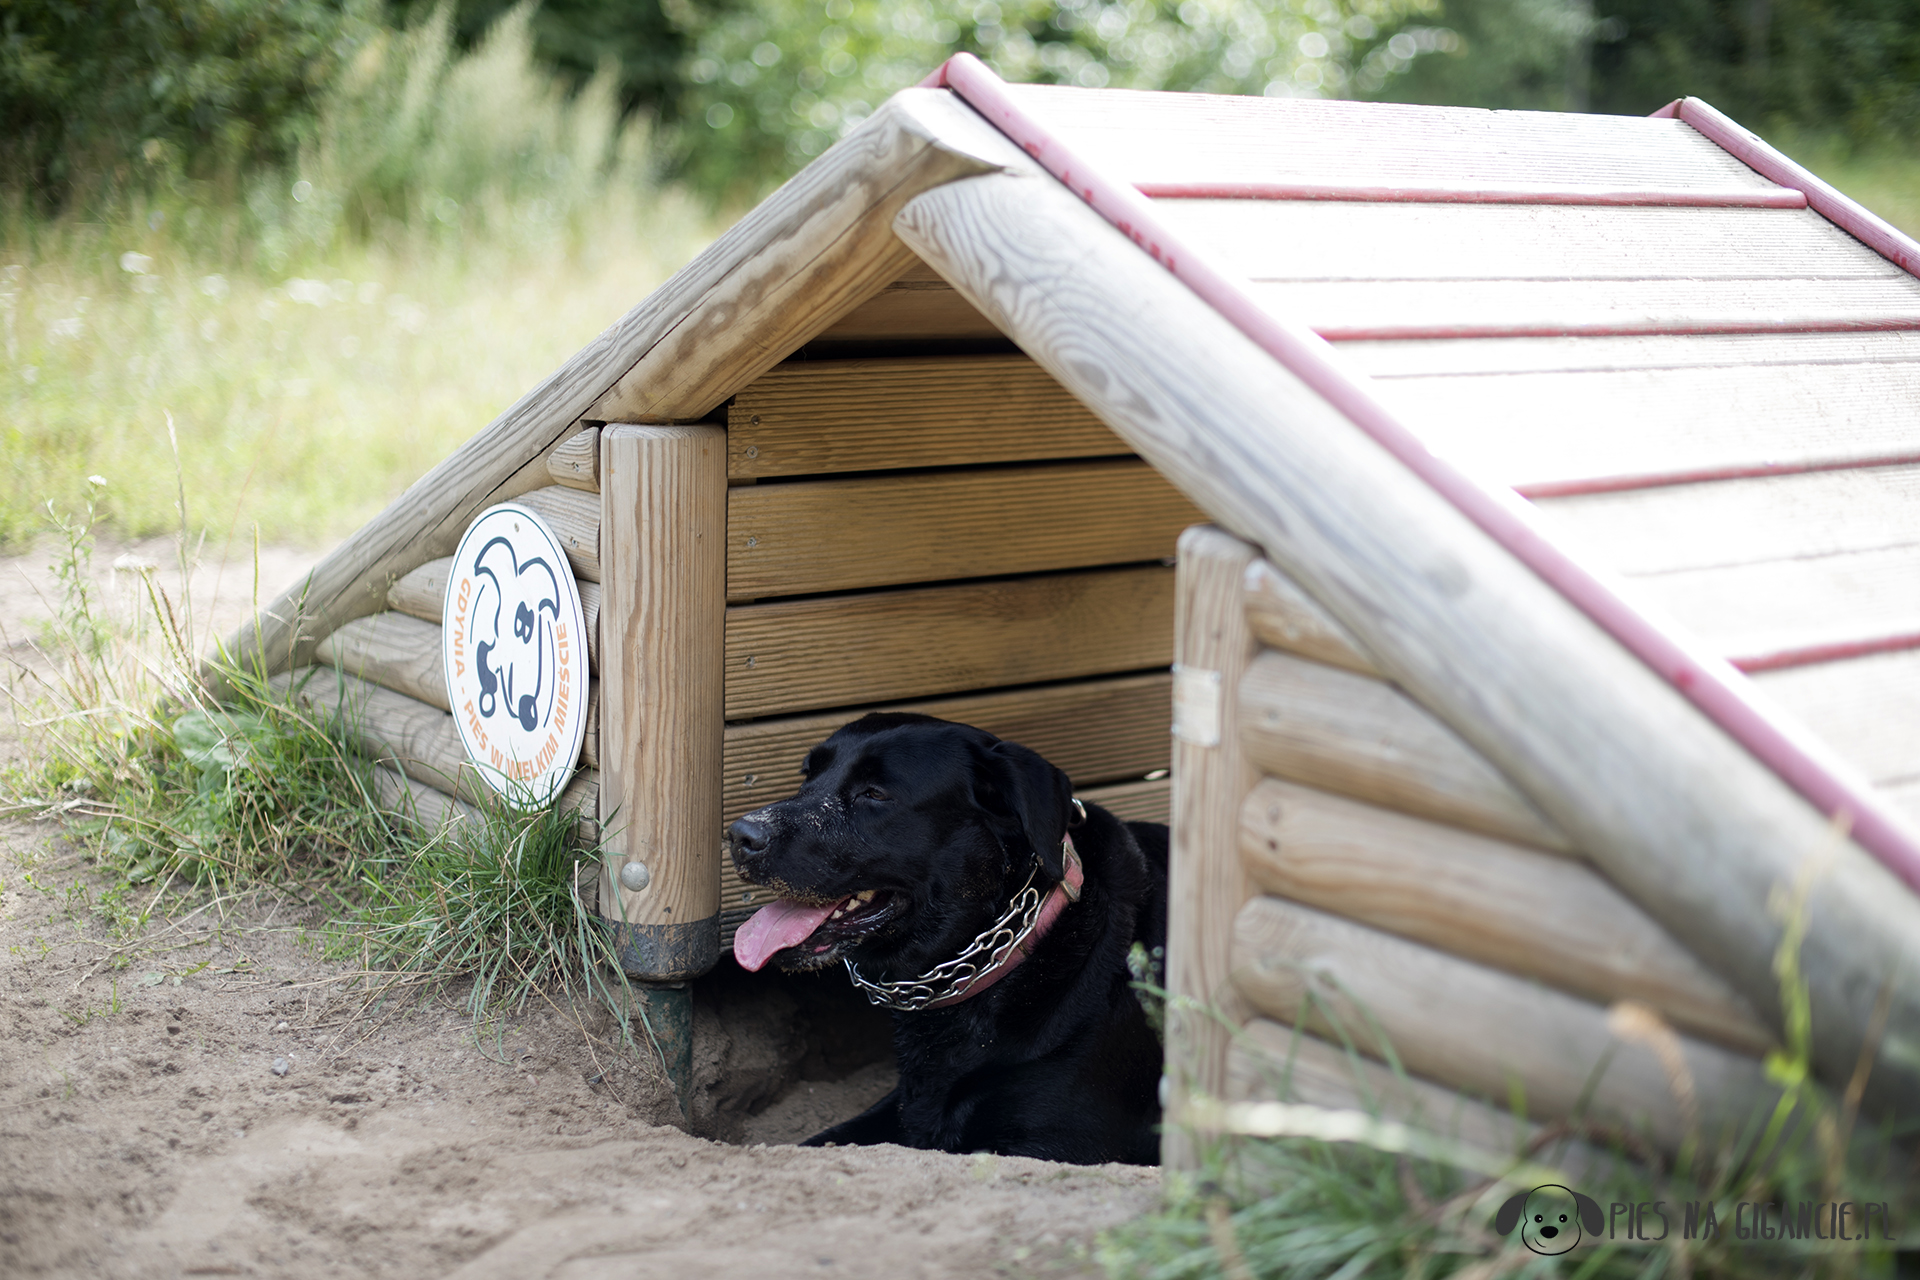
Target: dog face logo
(1550, 1218)
(512, 647)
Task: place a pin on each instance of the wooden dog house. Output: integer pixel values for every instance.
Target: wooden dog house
(1561, 595)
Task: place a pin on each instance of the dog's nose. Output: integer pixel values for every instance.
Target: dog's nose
(749, 836)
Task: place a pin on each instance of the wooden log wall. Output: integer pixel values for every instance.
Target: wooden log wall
(1368, 878)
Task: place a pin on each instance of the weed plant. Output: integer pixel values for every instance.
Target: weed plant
(323, 334)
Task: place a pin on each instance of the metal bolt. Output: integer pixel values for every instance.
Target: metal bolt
(753, 450)
(634, 877)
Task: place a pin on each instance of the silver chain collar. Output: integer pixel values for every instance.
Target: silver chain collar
(954, 977)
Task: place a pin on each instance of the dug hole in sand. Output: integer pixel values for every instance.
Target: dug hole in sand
(145, 1131)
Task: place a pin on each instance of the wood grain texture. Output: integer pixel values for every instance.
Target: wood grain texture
(836, 535)
(1461, 356)
(1688, 823)
(660, 719)
(1315, 724)
(390, 727)
(394, 651)
(1540, 429)
(1158, 138)
(1284, 617)
(1206, 882)
(574, 517)
(1474, 1028)
(838, 651)
(806, 417)
(831, 251)
(808, 241)
(1350, 309)
(422, 593)
(1146, 800)
(575, 461)
(1747, 612)
(917, 306)
(1096, 730)
(1529, 913)
(437, 812)
(1868, 708)
(1739, 522)
(1341, 240)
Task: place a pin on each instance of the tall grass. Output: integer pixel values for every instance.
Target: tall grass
(323, 335)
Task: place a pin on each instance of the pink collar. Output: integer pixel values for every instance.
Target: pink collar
(1067, 890)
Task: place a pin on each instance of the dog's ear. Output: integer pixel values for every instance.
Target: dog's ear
(1590, 1216)
(1036, 796)
(1509, 1215)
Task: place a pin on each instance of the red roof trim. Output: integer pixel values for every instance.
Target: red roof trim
(1703, 475)
(1869, 229)
(1711, 683)
(1606, 329)
(1727, 198)
(1833, 651)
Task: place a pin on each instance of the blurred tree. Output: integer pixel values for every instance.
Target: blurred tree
(97, 96)
(773, 84)
(578, 37)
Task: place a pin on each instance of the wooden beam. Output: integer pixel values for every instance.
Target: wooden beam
(575, 461)
(1098, 731)
(917, 306)
(1205, 880)
(801, 257)
(574, 517)
(1477, 1029)
(1285, 617)
(1147, 800)
(796, 539)
(807, 417)
(437, 812)
(422, 593)
(1683, 818)
(665, 489)
(1311, 723)
(1529, 913)
(835, 651)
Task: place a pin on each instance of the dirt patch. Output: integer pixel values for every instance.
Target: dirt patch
(209, 1098)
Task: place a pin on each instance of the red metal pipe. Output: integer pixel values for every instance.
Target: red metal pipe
(1729, 198)
(1710, 682)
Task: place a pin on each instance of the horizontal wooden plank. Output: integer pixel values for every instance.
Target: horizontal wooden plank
(1096, 730)
(807, 537)
(1538, 431)
(437, 812)
(1337, 240)
(1148, 800)
(1532, 914)
(917, 307)
(1318, 725)
(1758, 612)
(423, 593)
(809, 417)
(1455, 357)
(1283, 616)
(574, 518)
(834, 651)
(1526, 308)
(1474, 1028)
(1867, 709)
(1193, 137)
(1736, 522)
(575, 461)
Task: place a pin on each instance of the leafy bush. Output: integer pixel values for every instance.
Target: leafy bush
(772, 85)
(100, 97)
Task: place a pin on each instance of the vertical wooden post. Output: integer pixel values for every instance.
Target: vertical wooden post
(1211, 777)
(662, 659)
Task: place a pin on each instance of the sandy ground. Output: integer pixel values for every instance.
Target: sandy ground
(145, 1130)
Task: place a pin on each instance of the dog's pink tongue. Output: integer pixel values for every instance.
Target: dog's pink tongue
(775, 928)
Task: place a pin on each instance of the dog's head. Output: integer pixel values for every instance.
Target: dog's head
(1550, 1218)
(900, 847)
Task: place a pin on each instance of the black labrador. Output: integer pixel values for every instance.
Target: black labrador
(940, 864)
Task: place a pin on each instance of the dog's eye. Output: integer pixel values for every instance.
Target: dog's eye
(870, 793)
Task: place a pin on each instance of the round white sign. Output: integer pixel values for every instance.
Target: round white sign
(513, 641)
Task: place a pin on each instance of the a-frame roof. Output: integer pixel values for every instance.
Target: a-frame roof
(1362, 336)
